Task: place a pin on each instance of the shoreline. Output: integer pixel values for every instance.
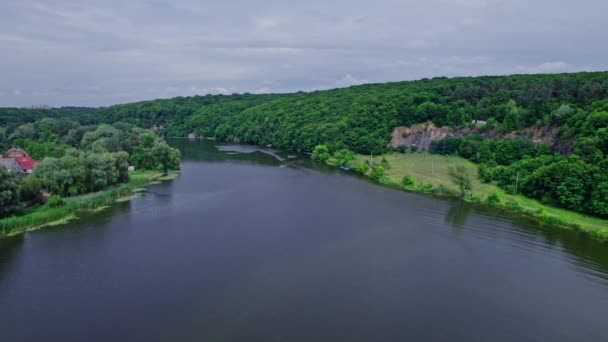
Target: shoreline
(514, 204)
(43, 217)
(425, 183)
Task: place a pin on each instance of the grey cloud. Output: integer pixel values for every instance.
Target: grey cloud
(102, 52)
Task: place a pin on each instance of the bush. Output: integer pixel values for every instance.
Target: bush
(441, 190)
(402, 149)
(55, 201)
(493, 199)
(377, 172)
(362, 168)
(407, 181)
(515, 206)
(321, 152)
(485, 173)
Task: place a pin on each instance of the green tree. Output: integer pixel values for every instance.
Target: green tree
(162, 152)
(377, 172)
(462, 178)
(512, 118)
(10, 188)
(321, 152)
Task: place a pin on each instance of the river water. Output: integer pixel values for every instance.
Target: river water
(250, 245)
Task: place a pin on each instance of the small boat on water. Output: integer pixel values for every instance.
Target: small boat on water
(345, 168)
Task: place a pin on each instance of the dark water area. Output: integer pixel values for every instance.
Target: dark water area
(256, 245)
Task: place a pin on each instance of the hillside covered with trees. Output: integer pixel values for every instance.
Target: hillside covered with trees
(569, 174)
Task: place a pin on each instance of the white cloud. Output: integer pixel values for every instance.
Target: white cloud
(262, 90)
(552, 67)
(348, 80)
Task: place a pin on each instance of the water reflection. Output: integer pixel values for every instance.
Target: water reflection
(8, 248)
(458, 214)
(201, 150)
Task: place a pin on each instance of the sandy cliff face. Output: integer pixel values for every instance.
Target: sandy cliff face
(421, 135)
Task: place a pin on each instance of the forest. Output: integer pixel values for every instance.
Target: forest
(570, 173)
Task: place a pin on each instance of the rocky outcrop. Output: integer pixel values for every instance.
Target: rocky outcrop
(191, 136)
(421, 135)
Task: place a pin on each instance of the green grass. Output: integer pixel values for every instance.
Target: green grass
(431, 171)
(42, 216)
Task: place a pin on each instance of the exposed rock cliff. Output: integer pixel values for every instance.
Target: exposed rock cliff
(421, 135)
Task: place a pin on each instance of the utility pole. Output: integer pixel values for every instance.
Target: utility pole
(517, 183)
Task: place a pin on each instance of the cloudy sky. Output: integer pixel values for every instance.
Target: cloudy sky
(101, 52)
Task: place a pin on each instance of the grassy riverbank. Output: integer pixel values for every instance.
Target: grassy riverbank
(430, 175)
(43, 216)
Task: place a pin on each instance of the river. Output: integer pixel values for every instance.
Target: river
(250, 245)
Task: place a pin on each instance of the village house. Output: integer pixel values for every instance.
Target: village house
(10, 164)
(18, 161)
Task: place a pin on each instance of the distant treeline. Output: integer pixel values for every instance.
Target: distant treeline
(359, 118)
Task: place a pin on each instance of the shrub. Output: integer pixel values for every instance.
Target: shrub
(441, 190)
(515, 206)
(55, 201)
(321, 152)
(377, 172)
(407, 181)
(493, 199)
(362, 168)
(427, 187)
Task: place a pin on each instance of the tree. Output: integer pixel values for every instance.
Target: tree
(512, 116)
(321, 152)
(31, 188)
(377, 172)
(162, 153)
(9, 191)
(461, 177)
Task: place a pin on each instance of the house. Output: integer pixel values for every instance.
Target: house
(26, 164)
(10, 164)
(16, 152)
(18, 161)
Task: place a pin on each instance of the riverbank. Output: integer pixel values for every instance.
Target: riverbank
(429, 174)
(42, 216)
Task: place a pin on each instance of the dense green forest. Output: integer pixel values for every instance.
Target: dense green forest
(361, 118)
(77, 159)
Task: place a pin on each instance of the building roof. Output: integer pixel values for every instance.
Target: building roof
(10, 164)
(16, 152)
(26, 163)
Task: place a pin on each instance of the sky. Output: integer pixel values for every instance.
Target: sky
(103, 52)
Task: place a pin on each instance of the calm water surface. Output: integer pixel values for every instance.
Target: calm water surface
(251, 245)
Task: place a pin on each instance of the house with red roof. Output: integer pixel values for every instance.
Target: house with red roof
(18, 161)
(26, 164)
